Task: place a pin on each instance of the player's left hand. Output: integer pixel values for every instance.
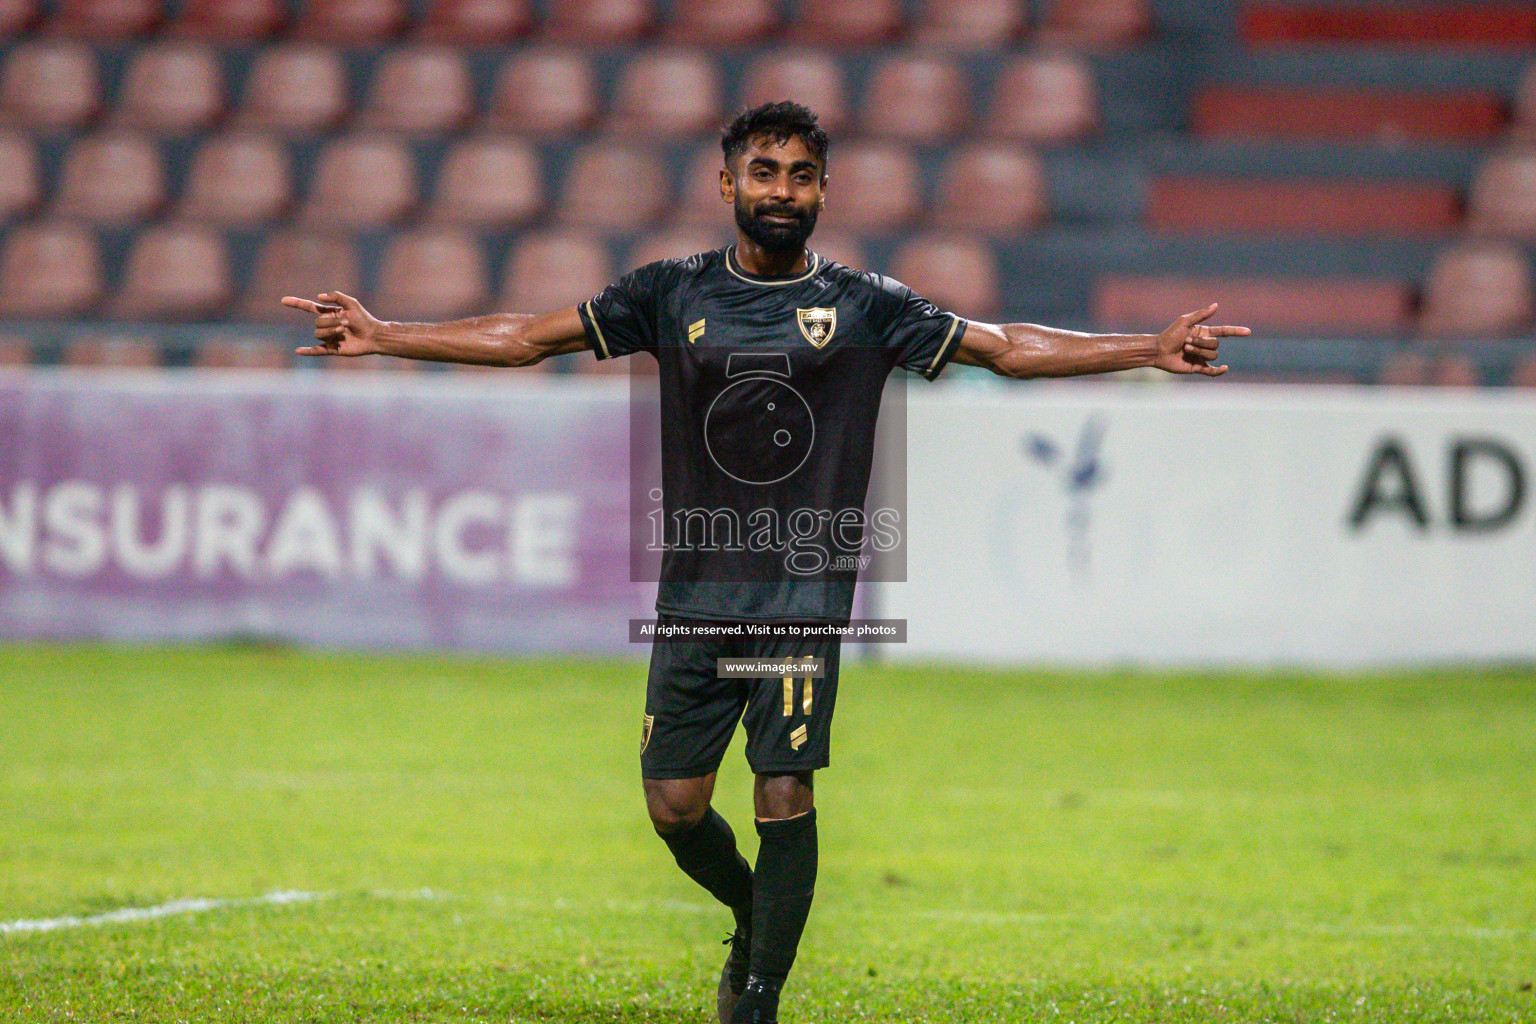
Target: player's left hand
(1189, 346)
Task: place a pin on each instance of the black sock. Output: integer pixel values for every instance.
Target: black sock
(707, 854)
(782, 889)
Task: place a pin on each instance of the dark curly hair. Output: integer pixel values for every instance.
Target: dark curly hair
(780, 122)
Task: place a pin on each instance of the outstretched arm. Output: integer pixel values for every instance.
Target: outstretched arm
(344, 328)
(1029, 350)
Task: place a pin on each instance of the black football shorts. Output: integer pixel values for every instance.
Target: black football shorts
(691, 713)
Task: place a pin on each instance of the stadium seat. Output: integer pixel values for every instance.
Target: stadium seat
(174, 272)
(1478, 289)
(241, 354)
(1205, 205)
(676, 243)
(367, 364)
(492, 181)
(1095, 23)
(917, 98)
(1523, 373)
(361, 182)
(20, 185)
(228, 21)
(1406, 368)
(592, 23)
(432, 274)
(350, 22)
(104, 20)
(420, 90)
(475, 22)
(872, 186)
(295, 263)
(1499, 23)
(113, 178)
(49, 85)
(171, 88)
(295, 87)
(840, 247)
(1294, 306)
(956, 273)
(544, 92)
(551, 270)
(722, 22)
(1523, 107)
(49, 269)
(1465, 116)
(15, 350)
(994, 188)
(237, 180)
(666, 94)
(17, 16)
(699, 200)
(849, 22)
(121, 351)
(806, 76)
(971, 24)
(1456, 370)
(1044, 98)
(1502, 199)
(613, 187)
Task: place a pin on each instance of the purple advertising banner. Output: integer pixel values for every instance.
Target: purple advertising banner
(318, 508)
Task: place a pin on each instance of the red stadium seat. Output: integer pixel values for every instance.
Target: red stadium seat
(994, 188)
(1406, 368)
(238, 180)
(114, 178)
(292, 263)
(872, 187)
(14, 350)
(1044, 98)
(956, 273)
(20, 185)
(120, 351)
(1523, 127)
(613, 187)
(49, 85)
(1456, 370)
(700, 201)
(840, 247)
(49, 270)
(476, 22)
(971, 24)
(849, 22)
(666, 94)
(174, 272)
(552, 270)
(805, 76)
(544, 92)
(171, 87)
(1096, 23)
(17, 16)
(491, 181)
(1204, 205)
(921, 99)
(241, 354)
(105, 20)
(1343, 114)
(361, 182)
(295, 87)
(229, 21)
(1295, 306)
(419, 90)
(589, 23)
(350, 22)
(1502, 200)
(435, 274)
(722, 22)
(676, 243)
(1478, 289)
(1499, 23)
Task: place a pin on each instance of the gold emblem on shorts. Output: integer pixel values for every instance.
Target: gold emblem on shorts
(798, 737)
(645, 731)
(817, 324)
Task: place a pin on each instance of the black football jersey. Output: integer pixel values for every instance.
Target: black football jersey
(770, 391)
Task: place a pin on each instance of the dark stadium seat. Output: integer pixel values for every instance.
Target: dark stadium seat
(1095, 23)
(1202, 205)
(849, 22)
(475, 22)
(958, 273)
(1048, 98)
(1502, 199)
(20, 184)
(121, 351)
(1478, 289)
(228, 21)
(432, 274)
(666, 94)
(1465, 116)
(113, 178)
(613, 187)
(699, 200)
(241, 354)
(49, 85)
(350, 22)
(1295, 306)
(590, 23)
(294, 87)
(238, 179)
(971, 24)
(298, 263)
(104, 20)
(917, 98)
(1499, 23)
(419, 90)
(49, 269)
(544, 92)
(361, 181)
(677, 242)
(872, 186)
(810, 77)
(174, 272)
(994, 188)
(840, 247)
(490, 181)
(171, 88)
(722, 22)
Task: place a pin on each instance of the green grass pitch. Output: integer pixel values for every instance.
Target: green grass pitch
(996, 846)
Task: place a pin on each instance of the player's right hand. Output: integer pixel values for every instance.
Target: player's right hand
(342, 326)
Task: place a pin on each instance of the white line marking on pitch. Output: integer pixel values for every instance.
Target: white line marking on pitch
(176, 908)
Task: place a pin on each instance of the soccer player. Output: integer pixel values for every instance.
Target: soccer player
(772, 364)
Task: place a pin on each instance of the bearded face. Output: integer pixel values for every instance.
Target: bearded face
(777, 226)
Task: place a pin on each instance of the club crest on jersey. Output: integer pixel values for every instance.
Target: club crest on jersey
(817, 324)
